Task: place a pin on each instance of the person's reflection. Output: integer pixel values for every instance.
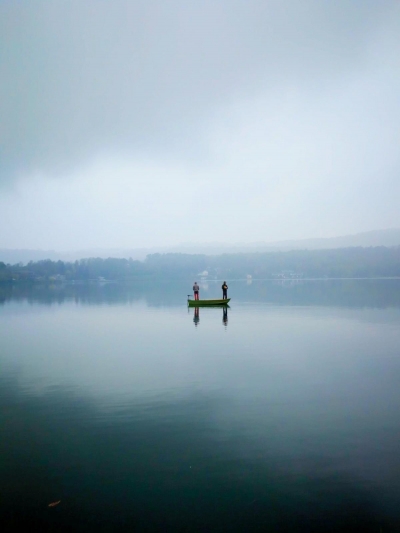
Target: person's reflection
(225, 315)
(196, 317)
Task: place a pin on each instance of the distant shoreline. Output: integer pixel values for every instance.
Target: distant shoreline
(296, 265)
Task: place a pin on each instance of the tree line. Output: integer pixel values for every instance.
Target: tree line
(85, 270)
(336, 263)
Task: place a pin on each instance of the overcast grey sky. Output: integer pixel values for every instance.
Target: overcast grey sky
(154, 122)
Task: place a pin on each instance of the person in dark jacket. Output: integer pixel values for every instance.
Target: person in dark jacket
(224, 291)
(196, 289)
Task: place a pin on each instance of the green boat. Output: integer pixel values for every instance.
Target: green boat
(203, 303)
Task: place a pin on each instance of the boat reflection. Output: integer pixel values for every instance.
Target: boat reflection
(196, 315)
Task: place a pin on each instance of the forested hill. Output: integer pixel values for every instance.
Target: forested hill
(337, 263)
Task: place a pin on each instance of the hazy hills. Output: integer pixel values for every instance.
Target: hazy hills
(388, 237)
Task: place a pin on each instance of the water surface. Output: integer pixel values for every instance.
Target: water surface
(280, 413)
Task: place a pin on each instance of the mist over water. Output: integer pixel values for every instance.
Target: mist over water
(279, 413)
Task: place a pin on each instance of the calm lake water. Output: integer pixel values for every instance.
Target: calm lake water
(281, 414)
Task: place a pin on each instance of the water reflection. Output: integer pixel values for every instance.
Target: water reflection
(196, 317)
(379, 293)
(174, 466)
(286, 421)
(225, 316)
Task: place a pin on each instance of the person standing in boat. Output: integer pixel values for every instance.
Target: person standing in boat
(224, 291)
(196, 290)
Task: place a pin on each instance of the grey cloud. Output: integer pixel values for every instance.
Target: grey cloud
(83, 78)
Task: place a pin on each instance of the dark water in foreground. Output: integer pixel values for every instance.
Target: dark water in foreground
(283, 415)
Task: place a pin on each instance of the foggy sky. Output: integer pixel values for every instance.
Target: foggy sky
(154, 122)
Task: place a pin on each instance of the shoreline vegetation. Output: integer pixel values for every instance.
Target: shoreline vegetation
(355, 262)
